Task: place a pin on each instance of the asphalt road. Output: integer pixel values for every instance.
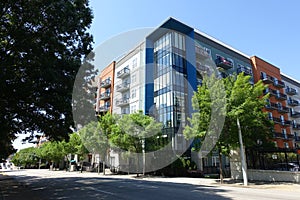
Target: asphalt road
(45, 184)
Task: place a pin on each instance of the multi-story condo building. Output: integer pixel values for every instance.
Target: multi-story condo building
(292, 88)
(161, 73)
(105, 83)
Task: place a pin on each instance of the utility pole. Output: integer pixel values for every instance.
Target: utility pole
(244, 166)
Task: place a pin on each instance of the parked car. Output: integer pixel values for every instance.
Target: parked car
(287, 167)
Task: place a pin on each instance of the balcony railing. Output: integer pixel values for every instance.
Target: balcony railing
(122, 87)
(283, 109)
(104, 96)
(279, 135)
(104, 108)
(123, 73)
(290, 136)
(291, 91)
(106, 83)
(281, 122)
(270, 91)
(281, 96)
(295, 114)
(267, 79)
(246, 70)
(293, 102)
(122, 102)
(202, 68)
(224, 63)
(279, 84)
(201, 53)
(296, 126)
(271, 106)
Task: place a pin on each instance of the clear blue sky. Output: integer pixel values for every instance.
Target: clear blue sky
(269, 29)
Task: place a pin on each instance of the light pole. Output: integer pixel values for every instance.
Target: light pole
(244, 166)
(144, 156)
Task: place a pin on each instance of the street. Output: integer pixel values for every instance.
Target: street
(45, 184)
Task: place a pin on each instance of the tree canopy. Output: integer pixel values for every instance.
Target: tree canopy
(242, 100)
(42, 45)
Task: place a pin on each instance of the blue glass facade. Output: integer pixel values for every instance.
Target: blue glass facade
(176, 58)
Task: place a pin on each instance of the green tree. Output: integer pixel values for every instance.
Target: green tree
(136, 133)
(95, 140)
(26, 157)
(42, 44)
(243, 101)
(53, 151)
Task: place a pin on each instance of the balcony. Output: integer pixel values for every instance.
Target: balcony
(290, 136)
(122, 87)
(291, 91)
(279, 135)
(202, 68)
(281, 96)
(270, 91)
(123, 73)
(276, 120)
(271, 106)
(267, 79)
(293, 102)
(279, 83)
(246, 70)
(104, 108)
(295, 114)
(283, 109)
(296, 126)
(224, 63)
(201, 53)
(105, 96)
(122, 102)
(106, 83)
(281, 122)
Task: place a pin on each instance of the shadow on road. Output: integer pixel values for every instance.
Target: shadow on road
(32, 187)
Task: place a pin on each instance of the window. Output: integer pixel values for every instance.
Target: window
(286, 145)
(279, 105)
(215, 161)
(134, 63)
(270, 116)
(133, 93)
(125, 111)
(133, 109)
(283, 131)
(208, 51)
(263, 75)
(133, 78)
(282, 119)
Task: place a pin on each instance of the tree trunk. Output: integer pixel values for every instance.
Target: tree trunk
(221, 167)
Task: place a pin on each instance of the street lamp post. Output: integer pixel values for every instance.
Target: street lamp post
(244, 166)
(144, 156)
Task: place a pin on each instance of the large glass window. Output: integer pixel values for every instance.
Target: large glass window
(169, 82)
